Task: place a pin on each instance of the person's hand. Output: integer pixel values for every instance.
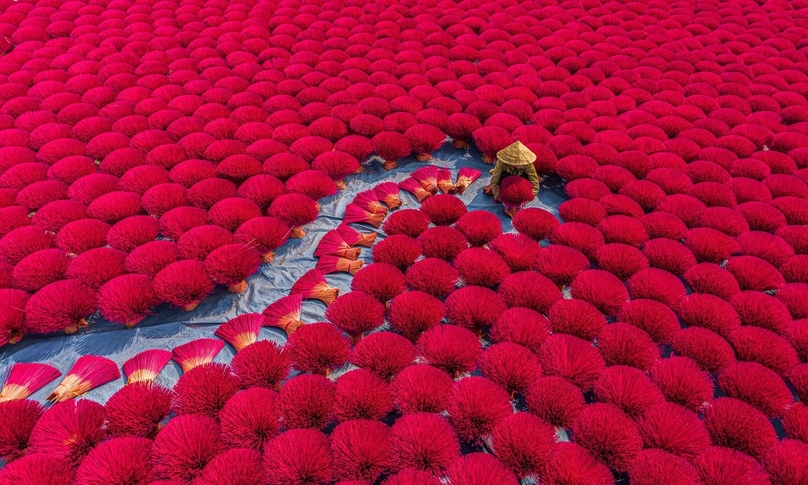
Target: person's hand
(487, 190)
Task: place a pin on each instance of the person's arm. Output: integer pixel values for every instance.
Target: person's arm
(496, 177)
(533, 177)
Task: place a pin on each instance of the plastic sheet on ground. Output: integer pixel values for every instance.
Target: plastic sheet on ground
(170, 327)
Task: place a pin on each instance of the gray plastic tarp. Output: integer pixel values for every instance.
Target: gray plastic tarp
(170, 327)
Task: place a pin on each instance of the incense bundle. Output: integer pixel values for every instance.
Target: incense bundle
(354, 237)
(89, 372)
(242, 330)
(369, 201)
(414, 187)
(356, 214)
(144, 367)
(444, 179)
(285, 314)
(465, 177)
(196, 353)
(25, 379)
(332, 244)
(388, 192)
(428, 178)
(336, 264)
(313, 285)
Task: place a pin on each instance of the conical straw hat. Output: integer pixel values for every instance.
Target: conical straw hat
(516, 154)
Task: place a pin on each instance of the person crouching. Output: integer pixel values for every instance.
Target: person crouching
(517, 160)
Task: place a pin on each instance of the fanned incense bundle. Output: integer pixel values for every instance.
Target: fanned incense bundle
(460, 126)
(465, 177)
(19, 419)
(60, 306)
(265, 234)
(197, 352)
(360, 450)
(67, 431)
(183, 284)
(332, 244)
(515, 192)
(311, 183)
(25, 379)
(490, 140)
(294, 210)
(285, 314)
(89, 372)
(127, 299)
(424, 139)
(428, 178)
(242, 330)
(313, 285)
(445, 183)
(144, 367)
(414, 187)
(387, 192)
(369, 200)
(354, 237)
(335, 264)
(355, 213)
(183, 448)
(391, 145)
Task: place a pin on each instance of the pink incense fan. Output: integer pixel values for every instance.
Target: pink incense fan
(89, 372)
(241, 331)
(313, 285)
(25, 379)
(144, 367)
(197, 352)
(285, 314)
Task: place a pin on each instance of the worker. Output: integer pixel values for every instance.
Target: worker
(515, 159)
